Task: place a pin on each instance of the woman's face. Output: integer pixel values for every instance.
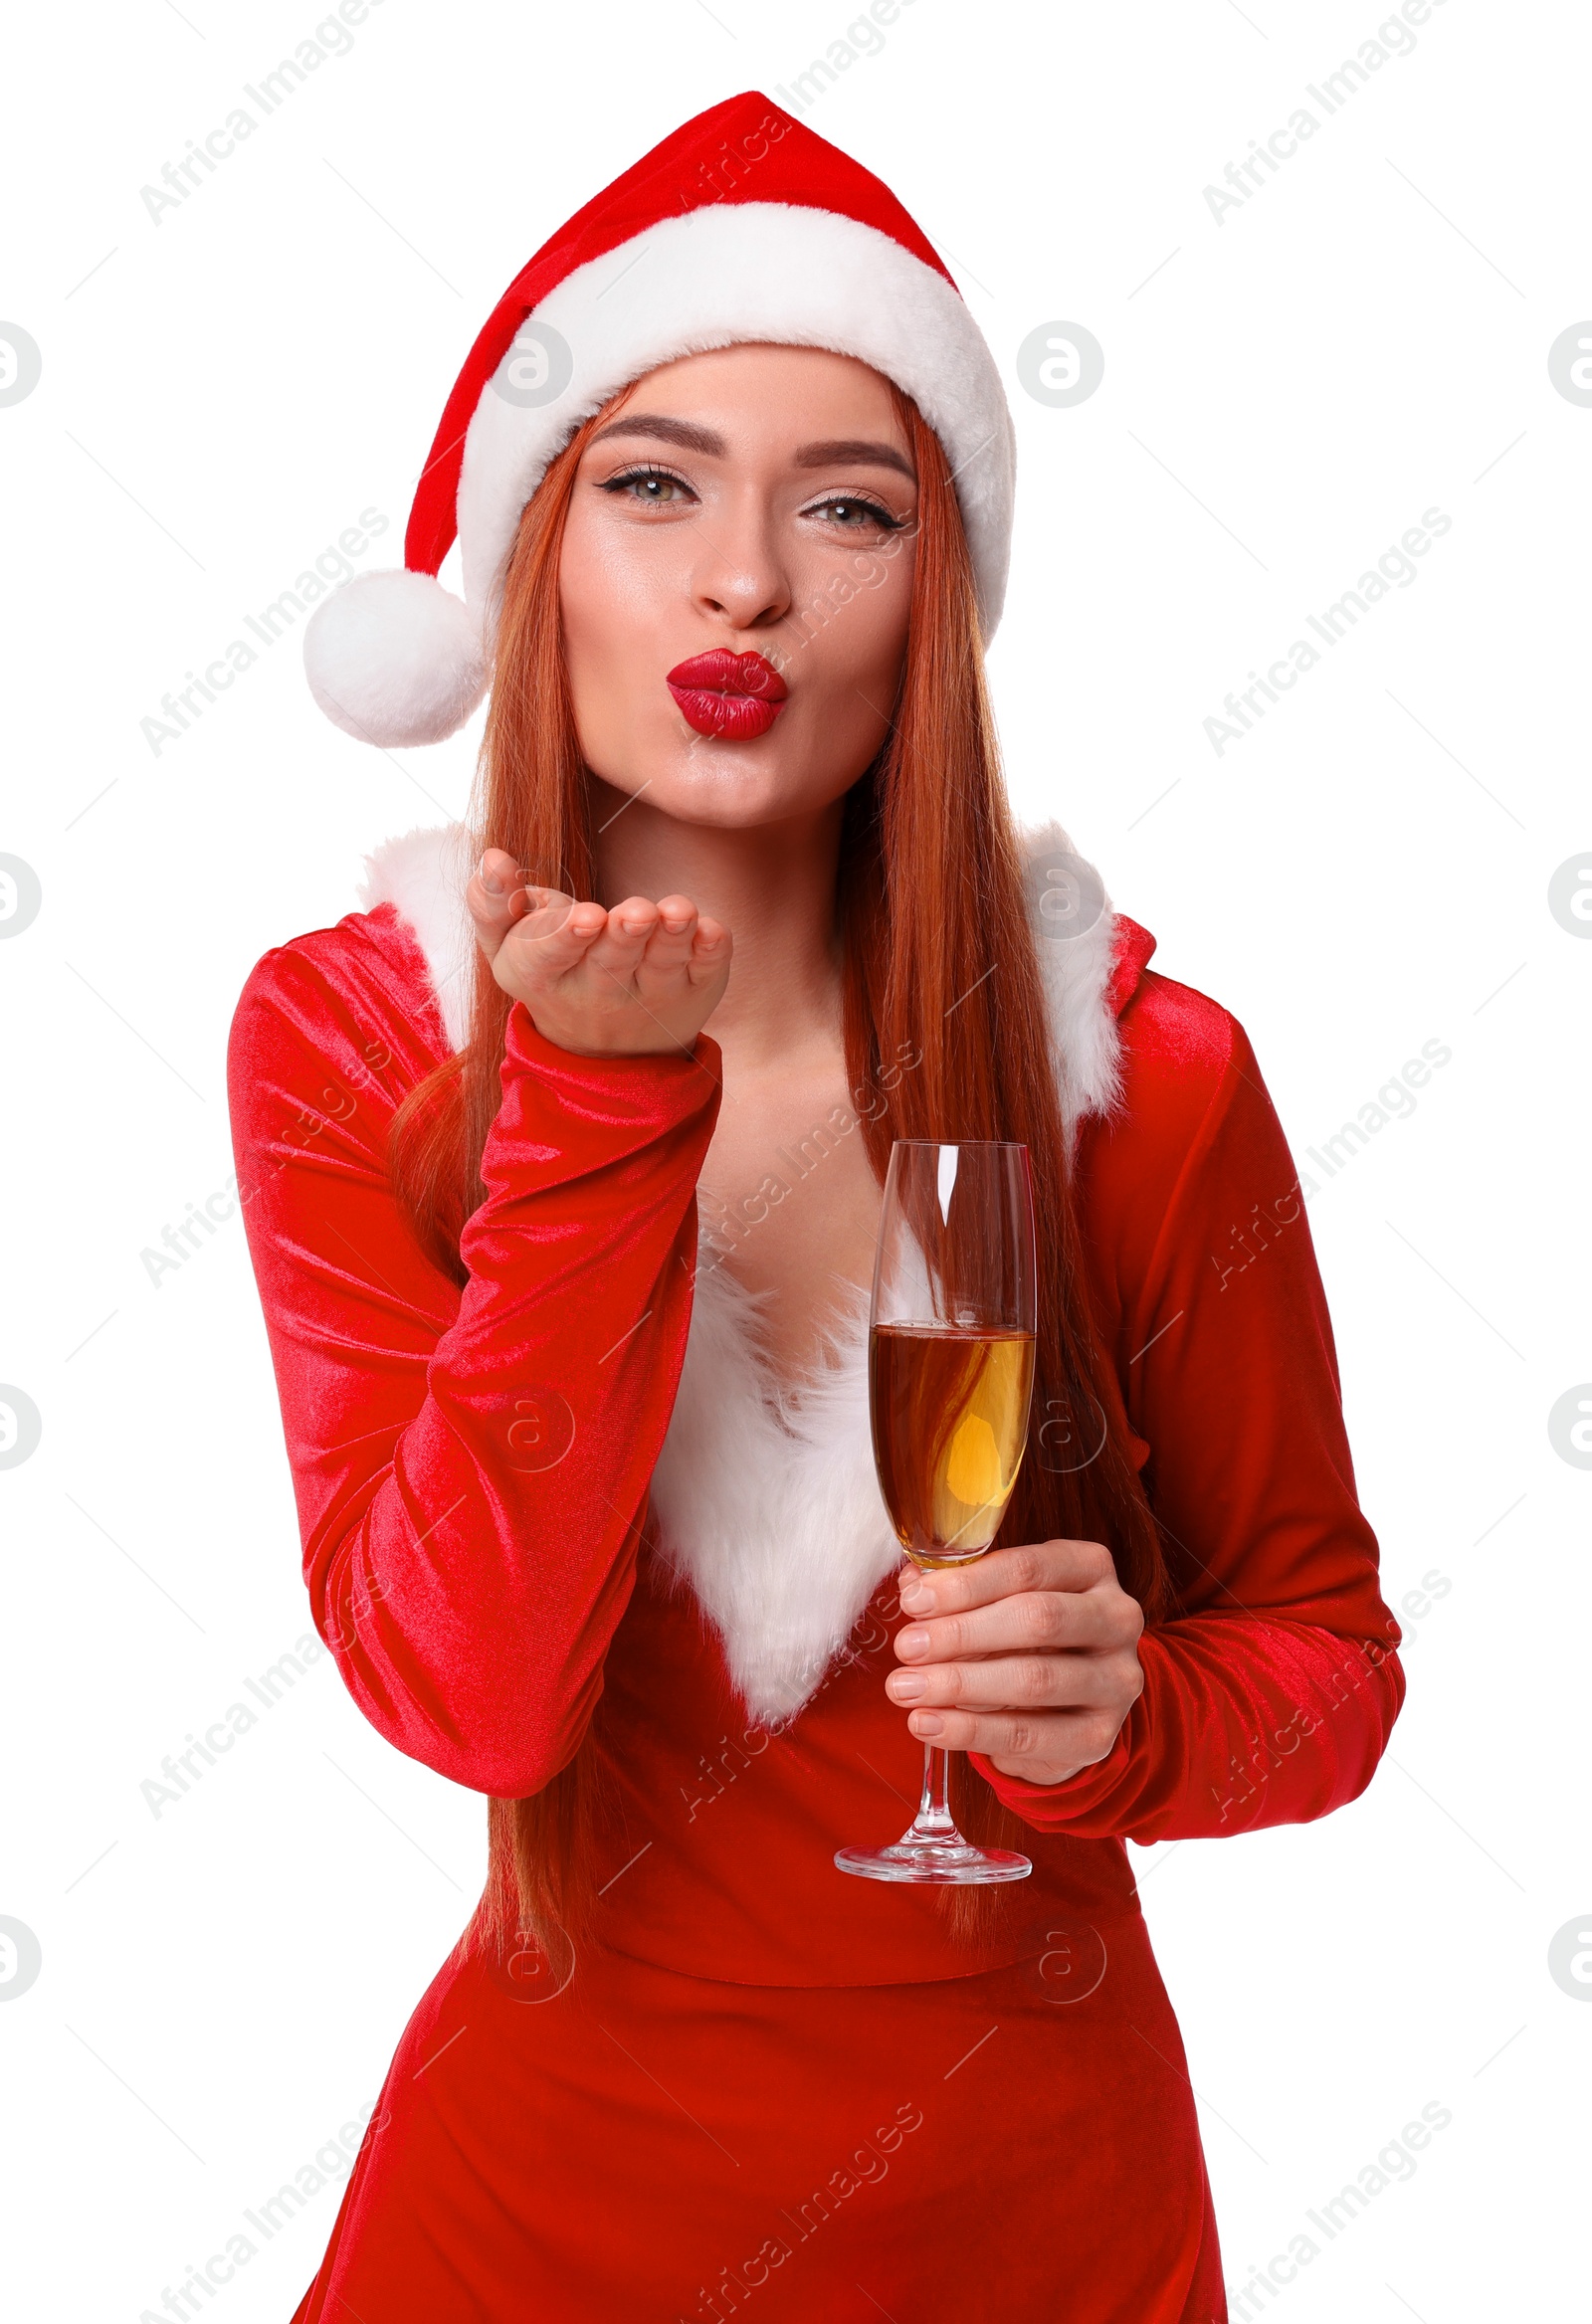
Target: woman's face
(756, 505)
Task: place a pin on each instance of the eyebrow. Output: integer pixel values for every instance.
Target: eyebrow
(681, 432)
(691, 437)
(849, 447)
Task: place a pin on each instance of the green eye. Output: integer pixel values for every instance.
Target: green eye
(852, 515)
(650, 488)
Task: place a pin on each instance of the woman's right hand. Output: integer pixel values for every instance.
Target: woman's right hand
(642, 977)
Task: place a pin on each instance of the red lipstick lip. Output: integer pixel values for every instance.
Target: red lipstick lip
(736, 697)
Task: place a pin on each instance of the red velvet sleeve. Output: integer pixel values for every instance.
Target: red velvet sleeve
(1270, 1694)
(471, 1467)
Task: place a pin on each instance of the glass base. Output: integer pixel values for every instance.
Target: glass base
(934, 1861)
(931, 1849)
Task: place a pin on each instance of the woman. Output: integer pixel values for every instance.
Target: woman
(562, 1177)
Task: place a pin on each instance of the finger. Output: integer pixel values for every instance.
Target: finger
(1043, 1746)
(497, 893)
(623, 940)
(498, 871)
(1035, 1565)
(1013, 1682)
(1040, 1621)
(495, 898)
(670, 945)
(709, 953)
(554, 934)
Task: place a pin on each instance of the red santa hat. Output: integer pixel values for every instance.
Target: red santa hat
(740, 226)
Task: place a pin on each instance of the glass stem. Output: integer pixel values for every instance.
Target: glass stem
(933, 1820)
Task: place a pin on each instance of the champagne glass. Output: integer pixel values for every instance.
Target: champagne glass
(951, 1372)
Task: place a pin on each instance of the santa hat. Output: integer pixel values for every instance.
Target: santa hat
(740, 226)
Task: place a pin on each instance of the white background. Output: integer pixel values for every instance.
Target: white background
(1285, 392)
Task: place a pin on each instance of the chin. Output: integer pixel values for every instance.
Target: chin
(735, 799)
(730, 786)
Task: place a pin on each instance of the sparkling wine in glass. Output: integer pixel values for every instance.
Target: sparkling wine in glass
(950, 1374)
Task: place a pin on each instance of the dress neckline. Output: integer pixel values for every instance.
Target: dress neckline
(766, 1494)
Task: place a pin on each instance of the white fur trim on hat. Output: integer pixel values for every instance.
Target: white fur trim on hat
(723, 275)
(394, 659)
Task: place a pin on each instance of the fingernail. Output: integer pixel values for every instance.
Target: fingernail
(911, 1644)
(492, 884)
(925, 1724)
(916, 1595)
(907, 1685)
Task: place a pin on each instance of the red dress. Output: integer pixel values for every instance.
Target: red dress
(764, 2086)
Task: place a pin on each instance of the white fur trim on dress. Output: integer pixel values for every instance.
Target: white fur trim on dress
(720, 276)
(423, 876)
(766, 1500)
(1075, 937)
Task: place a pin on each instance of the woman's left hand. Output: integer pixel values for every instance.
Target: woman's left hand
(1029, 1654)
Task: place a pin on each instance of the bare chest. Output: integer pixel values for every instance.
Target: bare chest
(787, 1202)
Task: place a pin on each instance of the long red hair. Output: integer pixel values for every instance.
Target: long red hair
(929, 896)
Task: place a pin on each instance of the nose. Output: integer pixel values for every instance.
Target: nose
(740, 574)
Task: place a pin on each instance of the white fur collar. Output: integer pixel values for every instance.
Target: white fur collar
(424, 876)
(767, 1503)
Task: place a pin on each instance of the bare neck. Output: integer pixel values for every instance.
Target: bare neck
(772, 887)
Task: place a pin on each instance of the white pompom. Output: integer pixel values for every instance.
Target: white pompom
(395, 658)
